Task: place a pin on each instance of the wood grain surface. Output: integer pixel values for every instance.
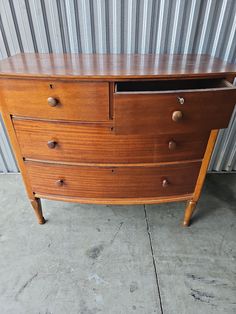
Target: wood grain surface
(112, 182)
(76, 100)
(203, 110)
(98, 144)
(114, 66)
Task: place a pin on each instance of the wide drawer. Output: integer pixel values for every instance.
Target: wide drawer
(81, 143)
(66, 100)
(112, 182)
(199, 105)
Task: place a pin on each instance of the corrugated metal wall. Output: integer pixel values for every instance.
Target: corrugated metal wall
(122, 26)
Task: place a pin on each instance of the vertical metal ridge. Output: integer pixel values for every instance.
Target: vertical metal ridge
(153, 26)
(137, 26)
(91, 8)
(122, 26)
(211, 32)
(231, 39)
(62, 27)
(144, 34)
(16, 25)
(160, 26)
(204, 26)
(46, 26)
(175, 27)
(4, 37)
(76, 12)
(65, 19)
(3, 167)
(129, 26)
(168, 28)
(7, 159)
(107, 17)
(31, 25)
(219, 27)
(114, 29)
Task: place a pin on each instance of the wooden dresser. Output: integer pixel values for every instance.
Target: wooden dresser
(115, 129)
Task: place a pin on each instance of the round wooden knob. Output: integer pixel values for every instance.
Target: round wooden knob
(52, 101)
(52, 144)
(177, 116)
(172, 145)
(165, 183)
(60, 182)
(181, 100)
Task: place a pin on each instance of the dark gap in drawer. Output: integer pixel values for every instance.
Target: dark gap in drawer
(161, 85)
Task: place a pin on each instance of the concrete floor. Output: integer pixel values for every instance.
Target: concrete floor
(111, 259)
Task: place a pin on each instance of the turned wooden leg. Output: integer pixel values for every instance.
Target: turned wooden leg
(201, 177)
(36, 204)
(191, 205)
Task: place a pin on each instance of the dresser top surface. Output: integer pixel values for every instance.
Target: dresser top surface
(113, 66)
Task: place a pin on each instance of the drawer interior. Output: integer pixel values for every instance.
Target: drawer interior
(162, 85)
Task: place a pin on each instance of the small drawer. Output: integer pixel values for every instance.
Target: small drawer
(59, 100)
(112, 182)
(181, 106)
(80, 143)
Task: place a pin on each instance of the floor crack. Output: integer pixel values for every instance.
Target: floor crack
(25, 285)
(153, 258)
(115, 235)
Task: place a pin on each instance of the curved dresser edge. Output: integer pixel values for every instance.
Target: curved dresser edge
(116, 201)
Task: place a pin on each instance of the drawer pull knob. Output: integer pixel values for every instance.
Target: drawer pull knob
(172, 145)
(181, 100)
(60, 182)
(52, 101)
(52, 144)
(165, 183)
(177, 116)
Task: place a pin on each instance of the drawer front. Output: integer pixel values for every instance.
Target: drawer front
(159, 113)
(65, 142)
(112, 182)
(48, 99)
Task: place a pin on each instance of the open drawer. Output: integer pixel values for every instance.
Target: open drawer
(172, 106)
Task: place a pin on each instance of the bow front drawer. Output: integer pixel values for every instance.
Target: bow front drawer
(112, 182)
(81, 143)
(64, 100)
(158, 107)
